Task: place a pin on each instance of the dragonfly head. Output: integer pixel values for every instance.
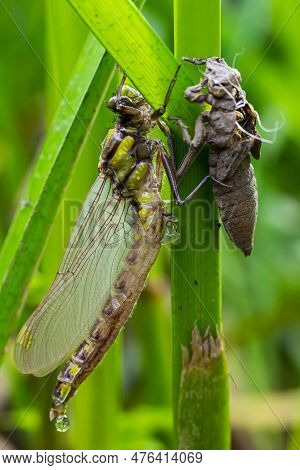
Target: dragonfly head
(122, 103)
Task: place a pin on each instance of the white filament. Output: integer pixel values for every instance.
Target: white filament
(278, 125)
(236, 55)
(261, 139)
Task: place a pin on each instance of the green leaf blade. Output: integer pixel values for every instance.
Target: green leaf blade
(143, 56)
(200, 393)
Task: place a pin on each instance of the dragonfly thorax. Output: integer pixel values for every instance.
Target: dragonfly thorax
(128, 158)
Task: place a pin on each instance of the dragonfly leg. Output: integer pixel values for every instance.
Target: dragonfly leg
(160, 111)
(171, 174)
(201, 184)
(165, 129)
(194, 144)
(128, 110)
(195, 61)
(184, 129)
(193, 93)
(170, 170)
(121, 84)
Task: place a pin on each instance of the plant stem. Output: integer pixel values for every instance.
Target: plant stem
(201, 410)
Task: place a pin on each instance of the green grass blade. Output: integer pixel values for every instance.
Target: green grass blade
(138, 50)
(201, 412)
(25, 240)
(64, 37)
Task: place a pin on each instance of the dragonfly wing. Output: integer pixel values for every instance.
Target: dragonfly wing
(102, 237)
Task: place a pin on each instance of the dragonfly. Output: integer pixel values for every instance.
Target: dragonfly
(114, 243)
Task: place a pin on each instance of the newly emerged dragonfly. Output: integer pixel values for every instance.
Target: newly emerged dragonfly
(115, 241)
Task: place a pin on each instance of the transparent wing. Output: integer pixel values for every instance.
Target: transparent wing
(100, 242)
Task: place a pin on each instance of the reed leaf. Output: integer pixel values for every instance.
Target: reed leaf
(200, 377)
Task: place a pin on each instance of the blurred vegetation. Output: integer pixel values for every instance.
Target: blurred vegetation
(129, 396)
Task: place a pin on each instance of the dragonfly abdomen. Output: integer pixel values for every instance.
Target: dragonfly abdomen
(117, 309)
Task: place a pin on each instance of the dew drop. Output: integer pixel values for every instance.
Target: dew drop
(171, 234)
(62, 423)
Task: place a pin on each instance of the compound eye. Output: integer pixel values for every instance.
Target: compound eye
(111, 104)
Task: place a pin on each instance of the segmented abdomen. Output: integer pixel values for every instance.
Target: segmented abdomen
(124, 294)
(238, 204)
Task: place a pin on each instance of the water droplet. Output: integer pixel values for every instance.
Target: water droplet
(171, 234)
(62, 423)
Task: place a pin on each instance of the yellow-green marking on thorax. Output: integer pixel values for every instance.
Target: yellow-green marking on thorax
(122, 161)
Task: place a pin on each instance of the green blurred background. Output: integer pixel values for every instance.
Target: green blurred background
(126, 403)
